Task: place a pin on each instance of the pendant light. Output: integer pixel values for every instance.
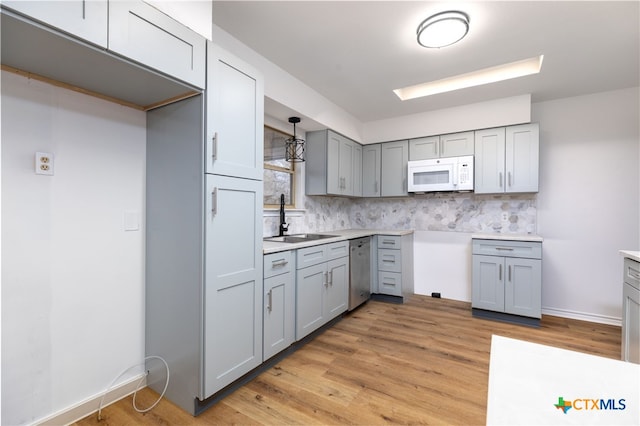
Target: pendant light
(294, 147)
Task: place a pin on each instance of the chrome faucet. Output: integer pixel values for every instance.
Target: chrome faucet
(283, 225)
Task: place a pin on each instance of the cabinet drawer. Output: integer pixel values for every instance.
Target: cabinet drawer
(390, 283)
(527, 249)
(277, 263)
(389, 260)
(632, 272)
(337, 250)
(389, 241)
(309, 256)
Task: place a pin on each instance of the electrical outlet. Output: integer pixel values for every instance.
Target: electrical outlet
(44, 163)
(505, 216)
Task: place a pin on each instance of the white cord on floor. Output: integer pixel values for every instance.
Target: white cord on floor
(166, 366)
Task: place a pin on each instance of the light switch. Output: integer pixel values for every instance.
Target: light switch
(131, 220)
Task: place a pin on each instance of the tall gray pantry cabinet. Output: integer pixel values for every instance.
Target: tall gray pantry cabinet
(204, 273)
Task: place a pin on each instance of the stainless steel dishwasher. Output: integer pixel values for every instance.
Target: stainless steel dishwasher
(359, 271)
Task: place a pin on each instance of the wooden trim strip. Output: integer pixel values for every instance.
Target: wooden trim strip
(63, 85)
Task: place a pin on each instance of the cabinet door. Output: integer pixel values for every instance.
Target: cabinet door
(487, 283)
(234, 116)
(522, 158)
(356, 174)
(279, 314)
(630, 324)
(424, 148)
(82, 18)
(457, 144)
(233, 280)
(489, 161)
(395, 156)
(141, 32)
(337, 299)
(345, 166)
(334, 179)
(522, 288)
(371, 165)
(311, 286)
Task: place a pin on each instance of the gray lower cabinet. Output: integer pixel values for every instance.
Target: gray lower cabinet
(507, 277)
(631, 312)
(322, 285)
(233, 280)
(395, 265)
(279, 303)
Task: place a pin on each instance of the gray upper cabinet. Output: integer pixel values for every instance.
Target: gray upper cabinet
(371, 168)
(394, 158)
(142, 33)
(234, 138)
(84, 19)
(333, 164)
(507, 159)
(450, 145)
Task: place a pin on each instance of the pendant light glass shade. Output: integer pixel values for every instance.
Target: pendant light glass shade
(294, 147)
(443, 29)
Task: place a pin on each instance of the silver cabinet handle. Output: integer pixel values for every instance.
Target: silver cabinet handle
(634, 274)
(278, 263)
(509, 178)
(326, 279)
(388, 242)
(270, 305)
(214, 201)
(214, 146)
(331, 278)
(500, 273)
(505, 248)
(509, 273)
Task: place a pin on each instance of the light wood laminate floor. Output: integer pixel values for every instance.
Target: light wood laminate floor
(423, 362)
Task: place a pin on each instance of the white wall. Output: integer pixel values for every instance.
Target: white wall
(481, 115)
(588, 205)
(72, 277)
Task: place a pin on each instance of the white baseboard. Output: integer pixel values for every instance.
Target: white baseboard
(90, 405)
(601, 319)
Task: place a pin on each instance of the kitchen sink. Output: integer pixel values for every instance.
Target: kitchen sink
(298, 238)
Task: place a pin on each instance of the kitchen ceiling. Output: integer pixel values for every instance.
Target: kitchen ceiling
(356, 52)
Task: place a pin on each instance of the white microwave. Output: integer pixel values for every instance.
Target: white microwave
(441, 174)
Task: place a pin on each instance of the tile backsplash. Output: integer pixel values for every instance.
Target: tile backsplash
(455, 212)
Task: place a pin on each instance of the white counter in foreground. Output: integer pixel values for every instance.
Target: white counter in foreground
(527, 382)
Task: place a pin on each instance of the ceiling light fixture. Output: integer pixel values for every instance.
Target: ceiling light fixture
(443, 29)
(294, 146)
(475, 78)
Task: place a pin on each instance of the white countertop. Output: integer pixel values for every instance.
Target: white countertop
(526, 381)
(635, 255)
(341, 235)
(508, 237)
